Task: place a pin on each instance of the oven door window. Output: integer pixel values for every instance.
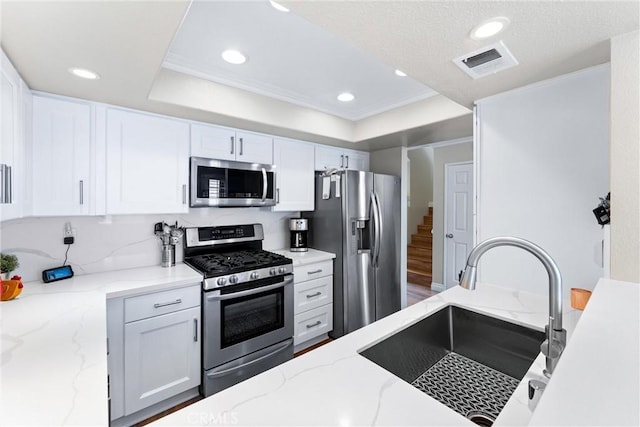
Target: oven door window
(251, 316)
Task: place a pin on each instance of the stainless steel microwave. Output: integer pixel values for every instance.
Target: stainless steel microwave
(227, 183)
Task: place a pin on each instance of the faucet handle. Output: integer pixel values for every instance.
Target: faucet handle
(536, 387)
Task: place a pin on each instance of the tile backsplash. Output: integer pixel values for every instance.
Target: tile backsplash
(117, 242)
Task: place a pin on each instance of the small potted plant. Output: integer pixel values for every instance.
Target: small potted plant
(9, 289)
(8, 263)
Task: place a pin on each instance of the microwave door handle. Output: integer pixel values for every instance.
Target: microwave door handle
(265, 184)
(282, 284)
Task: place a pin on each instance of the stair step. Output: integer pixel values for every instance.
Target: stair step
(418, 279)
(428, 221)
(424, 229)
(422, 240)
(419, 252)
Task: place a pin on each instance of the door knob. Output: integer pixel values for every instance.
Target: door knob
(449, 236)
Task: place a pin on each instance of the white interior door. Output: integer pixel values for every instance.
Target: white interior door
(458, 227)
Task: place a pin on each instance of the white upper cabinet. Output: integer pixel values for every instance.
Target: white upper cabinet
(62, 149)
(15, 119)
(147, 163)
(216, 142)
(294, 175)
(339, 158)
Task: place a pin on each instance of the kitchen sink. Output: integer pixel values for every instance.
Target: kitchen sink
(468, 361)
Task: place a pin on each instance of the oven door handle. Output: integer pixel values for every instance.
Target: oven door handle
(280, 348)
(287, 281)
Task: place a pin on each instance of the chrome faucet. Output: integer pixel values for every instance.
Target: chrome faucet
(556, 340)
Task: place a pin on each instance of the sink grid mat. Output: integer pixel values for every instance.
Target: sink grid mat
(467, 386)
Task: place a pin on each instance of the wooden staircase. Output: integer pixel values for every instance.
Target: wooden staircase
(419, 253)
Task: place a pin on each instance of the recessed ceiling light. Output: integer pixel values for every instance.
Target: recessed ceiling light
(278, 6)
(84, 73)
(400, 73)
(489, 28)
(233, 57)
(346, 97)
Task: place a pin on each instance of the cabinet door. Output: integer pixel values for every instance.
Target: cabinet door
(147, 163)
(61, 157)
(213, 142)
(294, 175)
(162, 358)
(254, 148)
(356, 160)
(11, 146)
(328, 158)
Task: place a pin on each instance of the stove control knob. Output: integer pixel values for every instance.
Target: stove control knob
(254, 275)
(272, 271)
(282, 270)
(233, 279)
(221, 281)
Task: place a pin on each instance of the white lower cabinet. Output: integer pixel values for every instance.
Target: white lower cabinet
(154, 351)
(313, 302)
(162, 356)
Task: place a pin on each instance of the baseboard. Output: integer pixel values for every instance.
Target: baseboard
(438, 287)
(151, 411)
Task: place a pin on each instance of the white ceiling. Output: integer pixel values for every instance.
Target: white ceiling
(548, 38)
(126, 42)
(289, 59)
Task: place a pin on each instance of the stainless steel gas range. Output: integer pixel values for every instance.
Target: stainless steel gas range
(247, 303)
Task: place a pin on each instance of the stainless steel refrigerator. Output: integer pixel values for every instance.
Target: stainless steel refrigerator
(357, 217)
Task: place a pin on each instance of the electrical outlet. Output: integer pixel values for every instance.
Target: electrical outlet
(68, 234)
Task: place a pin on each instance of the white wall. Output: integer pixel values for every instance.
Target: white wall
(625, 157)
(542, 164)
(120, 241)
(393, 161)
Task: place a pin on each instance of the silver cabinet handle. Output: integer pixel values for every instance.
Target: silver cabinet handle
(241, 146)
(313, 325)
(9, 185)
(195, 330)
(81, 192)
(3, 183)
(232, 144)
(277, 195)
(449, 236)
(314, 271)
(164, 304)
(317, 294)
(184, 194)
(347, 157)
(341, 160)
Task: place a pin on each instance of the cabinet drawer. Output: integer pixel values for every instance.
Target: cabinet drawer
(157, 303)
(313, 271)
(313, 323)
(312, 294)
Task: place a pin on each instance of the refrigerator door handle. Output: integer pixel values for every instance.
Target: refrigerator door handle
(377, 228)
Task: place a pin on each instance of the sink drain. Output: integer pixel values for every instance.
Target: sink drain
(480, 418)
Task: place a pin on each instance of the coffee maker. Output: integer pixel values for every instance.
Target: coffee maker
(299, 228)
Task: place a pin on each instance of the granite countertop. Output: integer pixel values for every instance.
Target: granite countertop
(54, 354)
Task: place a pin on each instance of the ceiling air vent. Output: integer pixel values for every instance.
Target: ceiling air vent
(488, 60)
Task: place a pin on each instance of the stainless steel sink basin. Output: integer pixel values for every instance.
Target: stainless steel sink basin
(468, 361)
